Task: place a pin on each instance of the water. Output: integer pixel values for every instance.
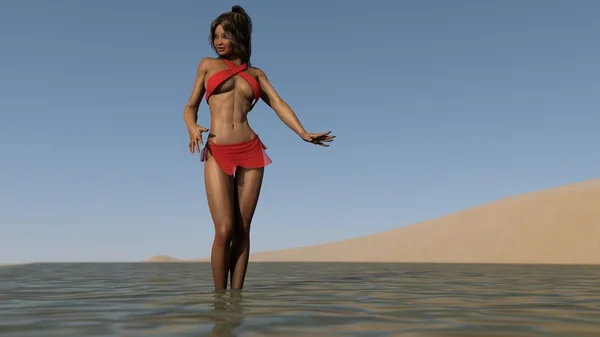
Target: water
(300, 299)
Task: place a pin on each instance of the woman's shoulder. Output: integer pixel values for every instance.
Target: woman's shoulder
(256, 71)
(208, 61)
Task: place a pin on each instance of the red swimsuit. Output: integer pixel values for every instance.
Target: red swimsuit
(215, 80)
(249, 154)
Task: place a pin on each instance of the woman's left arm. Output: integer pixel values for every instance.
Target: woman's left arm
(270, 96)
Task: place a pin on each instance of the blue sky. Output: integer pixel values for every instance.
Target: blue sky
(437, 106)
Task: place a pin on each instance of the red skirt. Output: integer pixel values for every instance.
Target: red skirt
(249, 154)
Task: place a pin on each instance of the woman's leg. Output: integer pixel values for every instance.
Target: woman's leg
(247, 187)
(220, 195)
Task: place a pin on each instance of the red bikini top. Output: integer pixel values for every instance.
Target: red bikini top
(216, 79)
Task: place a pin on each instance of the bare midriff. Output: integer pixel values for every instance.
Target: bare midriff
(229, 108)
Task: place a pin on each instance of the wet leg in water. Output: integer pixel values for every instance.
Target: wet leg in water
(247, 185)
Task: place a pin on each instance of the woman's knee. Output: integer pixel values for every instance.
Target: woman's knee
(224, 232)
(241, 236)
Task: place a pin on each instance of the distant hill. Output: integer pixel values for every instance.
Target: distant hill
(559, 225)
(162, 258)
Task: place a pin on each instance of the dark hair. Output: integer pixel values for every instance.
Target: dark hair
(238, 26)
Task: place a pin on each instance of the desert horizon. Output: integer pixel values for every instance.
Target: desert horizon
(556, 225)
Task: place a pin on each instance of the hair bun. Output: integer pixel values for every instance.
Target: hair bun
(243, 16)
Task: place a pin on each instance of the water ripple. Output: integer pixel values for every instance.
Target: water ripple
(137, 299)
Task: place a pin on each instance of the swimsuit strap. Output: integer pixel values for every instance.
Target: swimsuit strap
(239, 70)
(231, 65)
(253, 83)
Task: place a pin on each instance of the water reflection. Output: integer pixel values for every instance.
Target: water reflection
(228, 312)
(367, 300)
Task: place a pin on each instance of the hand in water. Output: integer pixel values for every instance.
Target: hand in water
(196, 137)
(318, 138)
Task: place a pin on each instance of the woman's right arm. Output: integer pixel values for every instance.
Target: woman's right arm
(190, 112)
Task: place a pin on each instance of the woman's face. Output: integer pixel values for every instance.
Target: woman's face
(222, 42)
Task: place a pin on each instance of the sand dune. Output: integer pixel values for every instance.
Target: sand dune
(560, 225)
(162, 258)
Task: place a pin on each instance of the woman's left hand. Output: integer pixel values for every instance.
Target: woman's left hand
(318, 138)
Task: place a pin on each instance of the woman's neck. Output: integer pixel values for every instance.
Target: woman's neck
(235, 60)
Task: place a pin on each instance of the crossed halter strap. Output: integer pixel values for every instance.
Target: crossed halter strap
(215, 80)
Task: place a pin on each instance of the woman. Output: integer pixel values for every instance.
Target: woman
(234, 157)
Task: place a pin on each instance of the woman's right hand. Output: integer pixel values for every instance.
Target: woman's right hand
(195, 132)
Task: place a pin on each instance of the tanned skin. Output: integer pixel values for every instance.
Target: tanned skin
(232, 200)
